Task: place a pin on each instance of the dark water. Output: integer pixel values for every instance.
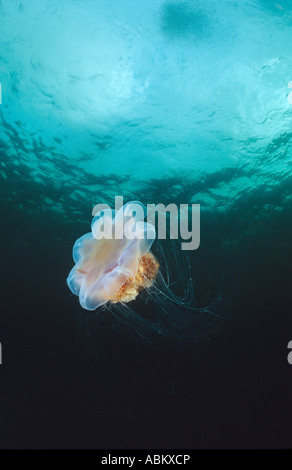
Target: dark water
(171, 102)
(65, 383)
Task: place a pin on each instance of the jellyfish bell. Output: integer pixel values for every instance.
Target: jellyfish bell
(110, 267)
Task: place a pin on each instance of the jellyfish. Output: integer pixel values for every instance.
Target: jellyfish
(134, 282)
(114, 262)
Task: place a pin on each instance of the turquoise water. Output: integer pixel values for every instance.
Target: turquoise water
(159, 100)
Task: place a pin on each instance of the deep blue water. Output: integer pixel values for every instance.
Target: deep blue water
(162, 102)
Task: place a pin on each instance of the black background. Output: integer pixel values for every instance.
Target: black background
(67, 383)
